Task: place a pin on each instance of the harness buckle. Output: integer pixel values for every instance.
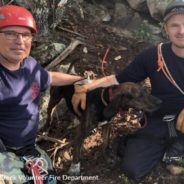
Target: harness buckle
(170, 120)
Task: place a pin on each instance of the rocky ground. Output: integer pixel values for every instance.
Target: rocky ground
(96, 38)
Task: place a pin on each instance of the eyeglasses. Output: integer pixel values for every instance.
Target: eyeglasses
(12, 35)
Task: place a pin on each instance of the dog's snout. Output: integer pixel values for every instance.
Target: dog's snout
(153, 103)
(155, 100)
(158, 101)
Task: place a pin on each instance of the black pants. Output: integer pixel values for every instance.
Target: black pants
(144, 150)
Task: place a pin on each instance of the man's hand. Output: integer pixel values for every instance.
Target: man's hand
(180, 122)
(79, 98)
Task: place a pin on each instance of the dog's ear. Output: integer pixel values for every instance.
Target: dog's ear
(112, 108)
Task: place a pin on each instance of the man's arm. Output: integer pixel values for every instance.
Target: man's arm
(103, 82)
(61, 79)
(79, 97)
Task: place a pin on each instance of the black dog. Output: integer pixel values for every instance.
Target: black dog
(102, 105)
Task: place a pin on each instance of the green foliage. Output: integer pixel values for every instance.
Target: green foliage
(143, 33)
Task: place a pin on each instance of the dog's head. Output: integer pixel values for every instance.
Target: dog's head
(131, 95)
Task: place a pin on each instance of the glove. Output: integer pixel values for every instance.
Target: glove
(79, 99)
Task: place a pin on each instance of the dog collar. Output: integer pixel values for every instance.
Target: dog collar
(102, 96)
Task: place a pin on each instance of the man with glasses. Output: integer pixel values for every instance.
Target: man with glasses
(12, 35)
(22, 80)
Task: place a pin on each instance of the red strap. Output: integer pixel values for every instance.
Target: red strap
(103, 61)
(145, 120)
(110, 94)
(34, 169)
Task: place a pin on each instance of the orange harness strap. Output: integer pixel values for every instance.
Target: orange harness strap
(161, 64)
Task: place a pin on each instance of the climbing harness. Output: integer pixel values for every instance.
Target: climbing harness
(170, 120)
(36, 167)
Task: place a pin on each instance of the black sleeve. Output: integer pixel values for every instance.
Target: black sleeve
(140, 68)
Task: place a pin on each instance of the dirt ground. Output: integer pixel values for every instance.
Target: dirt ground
(88, 57)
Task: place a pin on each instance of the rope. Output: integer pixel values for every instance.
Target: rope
(162, 66)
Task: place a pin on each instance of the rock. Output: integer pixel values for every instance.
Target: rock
(139, 5)
(42, 54)
(99, 13)
(122, 15)
(43, 108)
(156, 8)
